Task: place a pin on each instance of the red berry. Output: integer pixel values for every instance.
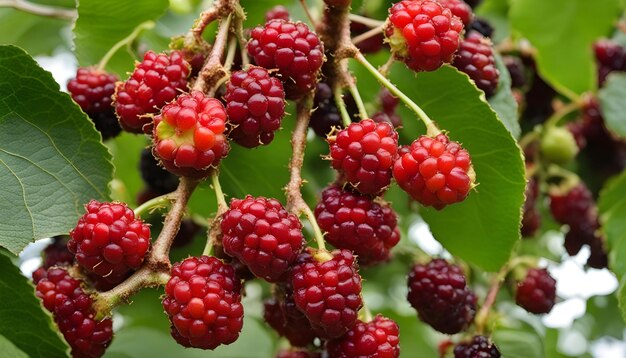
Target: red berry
(610, 57)
(291, 48)
(282, 315)
(460, 9)
(388, 101)
(478, 347)
(157, 80)
(423, 34)
(189, 135)
(574, 206)
(73, 313)
(355, 222)
(158, 180)
(262, 235)
(391, 118)
(364, 153)
(378, 338)
(108, 240)
(328, 292)
(516, 69)
(278, 12)
(92, 89)
(255, 104)
(57, 254)
(436, 172)
(475, 57)
(203, 303)
(439, 293)
(537, 292)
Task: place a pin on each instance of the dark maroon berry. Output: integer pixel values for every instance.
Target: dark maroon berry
(610, 57)
(372, 44)
(356, 222)
(327, 289)
(478, 347)
(57, 254)
(481, 25)
(255, 104)
(475, 57)
(439, 293)
(516, 69)
(186, 233)
(572, 207)
(93, 90)
(73, 313)
(278, 12)
(378, 338)
(203, 302)
(284, 317)
(537, 292)
(325, 115)
(158, 180)
(393, 118)
(262, 235)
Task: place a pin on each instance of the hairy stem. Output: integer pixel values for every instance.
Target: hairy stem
(40, 10)
(431, 127)
(123, 42)
(213, 71)
(153, 204)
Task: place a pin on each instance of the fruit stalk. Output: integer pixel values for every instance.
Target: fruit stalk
(213, 70)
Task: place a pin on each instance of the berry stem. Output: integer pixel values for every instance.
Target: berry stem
(213, 71)
(295, 203)
(341, 105)
(561, 113)
(368, 21)
(230, 54)
(366, 35)
(359, 101)
(307, 12)
(431, 128)
(40, 10)
(221, 201)
(153, 204)
(365, 314)
(206, 17)
(147, 25)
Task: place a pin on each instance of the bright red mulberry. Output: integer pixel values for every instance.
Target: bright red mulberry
(358, 223)
(364, 153)
(262, 235)
(203, 303)
(157, 80)
(109, 240)
(255, 104)
(376, 339)
(436, 171)
(423, 34)
(189, 136)
(293, 49)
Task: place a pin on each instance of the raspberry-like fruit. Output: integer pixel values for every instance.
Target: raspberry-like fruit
(482, 26)
(189, 135)
(364, 153)
(516, 69)
(423, 34)
(439, 293)
(610, 57)
(108, 240)
(325, 115)
(475, 57)
(278, 12)
(158, 180)
(478, 347)
(73, 313)
(537, 292)
(156, 81)
(57, 254)
(436, 172)
(93, 90)
(262, 235)
(203, 303)
(378, 338)
(293, 49)
(460, 9)
(255, 104)
(355, 222)
(328, 292)
(284, 317)
(572, 207)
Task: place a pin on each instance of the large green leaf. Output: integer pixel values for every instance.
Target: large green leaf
(503, 101)
(24, 323)
(484, 228)
(52, 161)
(612, 102)
(36, 34)
(612, 207)
(101, 24)
(563, 43)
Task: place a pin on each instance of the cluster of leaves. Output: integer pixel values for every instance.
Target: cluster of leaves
(65, 164)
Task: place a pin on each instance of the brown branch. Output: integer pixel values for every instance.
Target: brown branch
(295, 203)
(41, 10)
(213, 70)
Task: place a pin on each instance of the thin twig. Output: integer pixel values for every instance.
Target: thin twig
(213, 70)
(125, 41)
(41, 10)
(368, 21)
(307, 12)
(368, 34)
(341, 105)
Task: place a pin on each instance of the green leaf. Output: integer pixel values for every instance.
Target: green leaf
(52, 161)
(503, 101)
(516, 343)
(564, 42)
(24, 323)
(9, 350)
(612, 103)
(101, 24)
(484, 228)
(36, 34)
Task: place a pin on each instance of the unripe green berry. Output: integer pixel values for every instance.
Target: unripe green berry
(558, 145)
